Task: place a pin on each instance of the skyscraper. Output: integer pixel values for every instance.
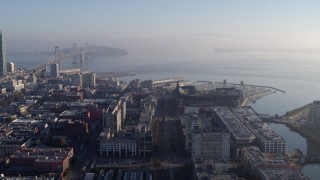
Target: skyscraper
(314, 115)
(54, 70)
(76, 80)
(89, 80)
(3, 55)
(10, 67)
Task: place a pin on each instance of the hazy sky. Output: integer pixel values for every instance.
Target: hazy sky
(165, 24)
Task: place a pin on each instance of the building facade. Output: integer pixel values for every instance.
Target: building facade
(314, 115)
(3, 55)
(42, 159)
(211, 145)
(266, 166)
(10, 67)
(122, 145)
(89, 80)
(76, 80)
(54, 70)
(8, 145)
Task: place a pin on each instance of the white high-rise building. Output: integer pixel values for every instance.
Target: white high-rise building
(10, 67)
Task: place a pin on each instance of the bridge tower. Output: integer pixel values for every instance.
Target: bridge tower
(75, 52)
(57, 55)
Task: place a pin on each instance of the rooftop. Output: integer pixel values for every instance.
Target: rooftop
(237, 128)
(43, 154)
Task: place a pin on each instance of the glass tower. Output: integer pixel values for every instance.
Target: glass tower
(3, 58)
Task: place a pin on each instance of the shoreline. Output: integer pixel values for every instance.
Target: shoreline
(304, 130)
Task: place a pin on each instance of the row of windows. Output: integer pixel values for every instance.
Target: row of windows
(117, 146)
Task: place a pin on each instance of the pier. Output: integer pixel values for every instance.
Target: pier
(242, 84)
(106, 75)
(253, 98)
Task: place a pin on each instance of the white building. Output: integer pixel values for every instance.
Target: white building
(121, 145)
(211, 144)
(10, 67)
(190, 122)
(13, 85)
(267, 139)
(113, 117)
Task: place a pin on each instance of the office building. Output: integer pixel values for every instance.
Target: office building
(314, 115)
(76, 80)
(267, 139)
(265, 166)
(122, 145)
(190, 122)
(132, 142)
(42, 159)
(89, 80)
(32, 78)
(3, 55)
(112, 117)
(8, 145)
(54, 70)
(10, 67)
(211, 144)
(247, 128)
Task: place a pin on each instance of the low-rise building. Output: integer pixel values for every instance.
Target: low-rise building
(135, 141)
(8, 145)
(124, 144)
(41, 159)
(211, 144)
(248, 129)
(266, 166)
(213, 170)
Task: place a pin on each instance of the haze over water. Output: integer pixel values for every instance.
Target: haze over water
(295, 73)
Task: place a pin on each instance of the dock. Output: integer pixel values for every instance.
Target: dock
(113, 75)
(235, 84)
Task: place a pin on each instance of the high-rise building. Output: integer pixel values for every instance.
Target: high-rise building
(54, 70)
(10, 67)
(76, 80)
(3, 55)
(314, 114)
(32, 78)
(89, 80)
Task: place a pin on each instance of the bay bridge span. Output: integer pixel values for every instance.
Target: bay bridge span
(76, 54)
